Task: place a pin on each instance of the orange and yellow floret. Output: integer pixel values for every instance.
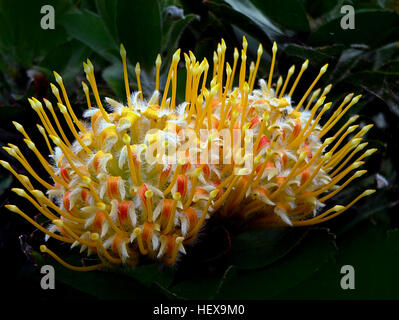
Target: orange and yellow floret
(107, 200)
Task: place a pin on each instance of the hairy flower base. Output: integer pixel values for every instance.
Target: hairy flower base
(107, 200)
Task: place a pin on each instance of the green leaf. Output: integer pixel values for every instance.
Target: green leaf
(171, 40)
(318, 8)
(346, 62)
(378, 205)
(260, 247)
(248, 9)
(101, 284)
(380, 84)
(317, 55)
(22, 40)
(198, 286)
(110, 286)
(372, 28)
(7, 114)
(384, 54)
(268, 282)
(107, 12)
(66, 60)
(88, 28)
(113, 75)
(290, 14)
(139, 26)
(373, 253)
(150, 274)
(5, 182)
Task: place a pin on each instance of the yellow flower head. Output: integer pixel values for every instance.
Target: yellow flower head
(129, 186)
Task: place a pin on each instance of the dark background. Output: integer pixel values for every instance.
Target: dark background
(303, 263)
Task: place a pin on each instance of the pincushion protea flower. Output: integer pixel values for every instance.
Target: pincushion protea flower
(108, 198)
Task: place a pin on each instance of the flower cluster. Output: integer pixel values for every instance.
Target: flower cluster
(109, 199)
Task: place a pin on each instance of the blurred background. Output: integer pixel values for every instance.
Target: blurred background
(301, 263)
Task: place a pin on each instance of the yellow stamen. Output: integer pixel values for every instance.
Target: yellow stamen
(174, 89)
(356, 175)
(67, 155)
(194, 231)
(22, 193)
(274, 51)
(303, 68)
(291, 175)
(344, 102)
(336, 179)
(72, 127)
(96, 237)
(317, 154)
(251, 72)
(265, 117)
(27, 166)
(244, 104)
(194, 182)
(221, 200)
(158, 63)
(323, 160)
(259, 55)
(350, 121)
(338, 209)
(39, 195)
(327, 127)
(148, 195)
(171, 221)
(326, 90)
(44, 162)
(215, 64)
(287, 79)
(347, 159)
(103, 207)
(221, 67)
(178, 243)
(348, 131)
(122, 52)
(314, 96)
(20, 129)
(87, 94)
(342, 153)
(15, 209)
(189, 69)
(242, 71)
(43, 132)
(89, 70)
(36, 105)
(139, 238)
(301, 138)
(137, 70)
(22, 179)
(174, 178)
(175, 61)
(126, 140)
(68, 104)
(322, 71)
(236, 56)
(59, 223)
(44, 249)
(279, 83)
(50, 107)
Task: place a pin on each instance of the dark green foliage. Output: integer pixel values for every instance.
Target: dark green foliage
(225, 263)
